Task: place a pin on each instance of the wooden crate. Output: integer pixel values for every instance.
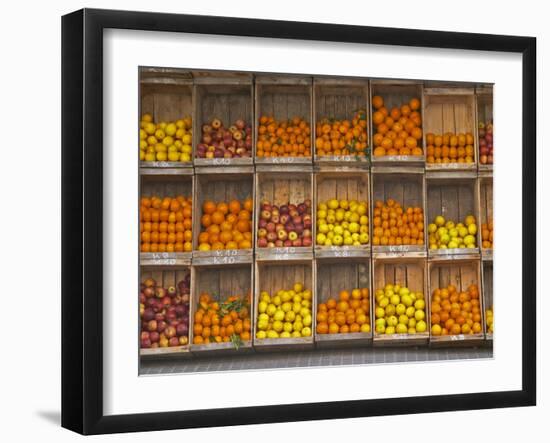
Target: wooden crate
(454, 199)
(342, 186)
(484, 113)
(334, 275)
(395, 94)
(166, 94)
(224, 186)
(166, 186)
(453, 110)
(488, 300)
(461, 274)
(340, 98)
(283, 97)
(281, 188)
(485, 211)
(221, 282)
(272, 276)
(166, 276)
(227, 99)
(409, 272)
(406, 186)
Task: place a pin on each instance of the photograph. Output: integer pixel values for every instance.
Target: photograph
(298, 220)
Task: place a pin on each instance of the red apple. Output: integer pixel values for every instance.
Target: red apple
(154, 336)
(262, 232)
(152, 325)
(262, 242)
(278, 243)
(297, 243)
(306, 241)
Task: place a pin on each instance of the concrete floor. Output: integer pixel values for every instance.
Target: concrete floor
(313, 358)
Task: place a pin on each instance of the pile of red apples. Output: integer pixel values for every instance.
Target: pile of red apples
(164, 314)
(288, 225)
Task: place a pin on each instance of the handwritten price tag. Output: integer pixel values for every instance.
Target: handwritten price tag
(224, 260)
(457, 337)
(221, 161)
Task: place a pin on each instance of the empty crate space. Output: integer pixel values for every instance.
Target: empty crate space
(166, 209)
(284, 305)
(164, 310)
(284, 215)
(343, 315)
(342, 217)
(223, 124)
(486, 216)
(167, 99)
(484, 97)
(488, 303)
(450, 202)
(450, 128)
(341, 121)
(400, 312)
(221, 309)
(456, 308)
(223, 225)
(398, 213)
(283, 120)
(396, 116)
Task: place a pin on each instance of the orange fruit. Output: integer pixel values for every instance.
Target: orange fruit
(377, 102)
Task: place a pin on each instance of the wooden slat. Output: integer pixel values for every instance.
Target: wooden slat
(166, 102)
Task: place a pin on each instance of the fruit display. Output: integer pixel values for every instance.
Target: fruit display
(398, 130)
(285, 225)
(165, 141)
(446, 234)
(449, 148)
(342, 222)
(226, 226)
(166, 224)
(342, 137)
(394, 225)
(284, 138)
(285, 314)
(489, 319)
(164, 314)
(455, 312)
(485, 133)
(222, 322)
(217, 141)
(399, 310)
(348, 313)
(487, 234)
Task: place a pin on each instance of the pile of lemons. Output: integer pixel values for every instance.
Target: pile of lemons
(165, 141)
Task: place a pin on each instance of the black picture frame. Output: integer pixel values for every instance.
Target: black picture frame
(82, 190)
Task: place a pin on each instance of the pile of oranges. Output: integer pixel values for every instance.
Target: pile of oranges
(450, 148)
(398, 130)
(342, 137)
(285, 138)
(454, 312)
(165, 141)
(349, 313)
(395, 226)
(221, 323)
(487, 234)
(165, 224)
(226, 226)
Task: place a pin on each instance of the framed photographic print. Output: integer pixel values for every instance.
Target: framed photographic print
(253, 207)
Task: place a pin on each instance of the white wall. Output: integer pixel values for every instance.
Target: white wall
(30, 215)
